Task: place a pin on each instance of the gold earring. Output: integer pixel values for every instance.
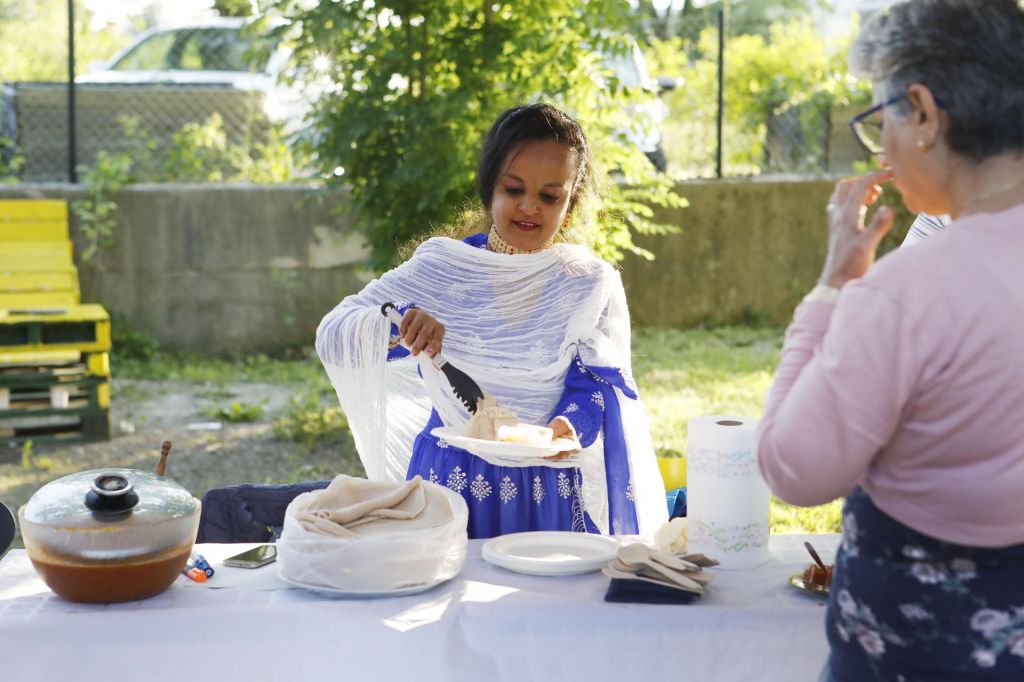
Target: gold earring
(922, 145)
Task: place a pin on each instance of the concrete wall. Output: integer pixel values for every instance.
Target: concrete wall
(748, 250)
(221, 269)
(241, 269)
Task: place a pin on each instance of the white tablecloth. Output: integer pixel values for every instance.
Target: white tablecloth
(486, 624)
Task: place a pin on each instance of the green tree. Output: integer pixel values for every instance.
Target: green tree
(409, 89)
(234, 8)
(34, 44)
(744, 17)
(788, 78)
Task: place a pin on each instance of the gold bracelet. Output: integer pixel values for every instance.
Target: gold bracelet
(823, 293)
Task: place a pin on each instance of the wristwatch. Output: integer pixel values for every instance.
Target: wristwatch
(823, 293)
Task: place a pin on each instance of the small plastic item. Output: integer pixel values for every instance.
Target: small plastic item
(200, 562)
(195, 574)
(676, 500)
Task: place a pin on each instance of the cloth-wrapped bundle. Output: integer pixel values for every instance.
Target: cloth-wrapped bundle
(368, 536)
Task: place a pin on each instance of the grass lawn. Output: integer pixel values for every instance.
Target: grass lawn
(681, 374)
(725, 370)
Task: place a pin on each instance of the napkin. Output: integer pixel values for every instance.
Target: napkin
(672, 536)
(357, 507)
(639, 592)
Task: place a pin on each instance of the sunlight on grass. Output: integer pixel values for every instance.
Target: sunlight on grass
(690, 373)
(727, 370)
(304, 370)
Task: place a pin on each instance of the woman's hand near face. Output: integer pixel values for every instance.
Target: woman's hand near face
(561, 428)
(851, 246)
(421, 332)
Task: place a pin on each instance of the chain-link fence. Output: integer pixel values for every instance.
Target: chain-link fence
(204, 102)
(785, 99)
(170, 100)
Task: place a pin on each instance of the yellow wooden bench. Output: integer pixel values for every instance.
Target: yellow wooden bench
(54, 362)
(36, 265)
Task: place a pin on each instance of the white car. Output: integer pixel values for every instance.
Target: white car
(216, 52)
(631, 71)
(220, 52)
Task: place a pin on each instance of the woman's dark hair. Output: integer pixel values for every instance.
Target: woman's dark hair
(969, 53)
(533, 123)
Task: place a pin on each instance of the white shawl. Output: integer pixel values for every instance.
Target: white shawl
(514, 324)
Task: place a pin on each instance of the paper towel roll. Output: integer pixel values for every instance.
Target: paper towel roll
(727, 499)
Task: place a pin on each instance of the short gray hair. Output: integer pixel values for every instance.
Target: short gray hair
(969, 53)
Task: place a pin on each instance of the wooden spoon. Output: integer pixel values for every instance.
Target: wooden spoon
(639, 555)
(623, 575)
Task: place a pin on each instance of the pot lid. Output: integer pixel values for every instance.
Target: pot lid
(97, 498)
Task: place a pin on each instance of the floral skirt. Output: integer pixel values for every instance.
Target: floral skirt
(502, 500)
(907, 607)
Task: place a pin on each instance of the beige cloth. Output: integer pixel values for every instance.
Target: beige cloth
(357, 507)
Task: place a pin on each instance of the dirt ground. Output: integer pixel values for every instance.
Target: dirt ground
(145, 413)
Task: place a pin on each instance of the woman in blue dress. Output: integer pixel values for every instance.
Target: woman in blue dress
(538, 321)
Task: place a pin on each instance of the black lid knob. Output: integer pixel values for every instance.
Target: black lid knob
(111, 493)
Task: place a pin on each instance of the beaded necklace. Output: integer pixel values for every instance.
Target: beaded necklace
(497, 244)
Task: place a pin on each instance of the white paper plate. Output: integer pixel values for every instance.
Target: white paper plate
(335, 593)
(512, 454)
(550, 552)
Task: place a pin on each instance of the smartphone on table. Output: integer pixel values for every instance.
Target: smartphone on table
(253, 558)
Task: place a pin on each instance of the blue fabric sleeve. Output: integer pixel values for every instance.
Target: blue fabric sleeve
(582, 403)
(591, 404)
(395, 348)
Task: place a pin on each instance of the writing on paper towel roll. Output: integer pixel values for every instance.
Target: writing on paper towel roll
(727, 499)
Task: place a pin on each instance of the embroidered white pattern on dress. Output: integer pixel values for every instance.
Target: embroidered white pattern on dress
(432, 477)
(457, 479)
(629, 492)
(538, 490)
(442, 443)
(507, 490)
(564, 490)
(579, 523)
(571, 407)
(480, 488)
(598, 398)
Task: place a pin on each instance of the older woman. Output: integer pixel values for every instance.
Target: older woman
(901, 385)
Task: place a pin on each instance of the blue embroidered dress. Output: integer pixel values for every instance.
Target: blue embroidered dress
(505, 500)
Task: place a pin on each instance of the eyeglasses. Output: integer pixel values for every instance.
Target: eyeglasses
(867, 126)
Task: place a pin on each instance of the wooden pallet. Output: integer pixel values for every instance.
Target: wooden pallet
(54, 367)
(85, 328)
(82, 427)
(36, 265)
(55, 402)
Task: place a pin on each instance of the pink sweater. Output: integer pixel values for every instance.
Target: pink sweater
(913, 387)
